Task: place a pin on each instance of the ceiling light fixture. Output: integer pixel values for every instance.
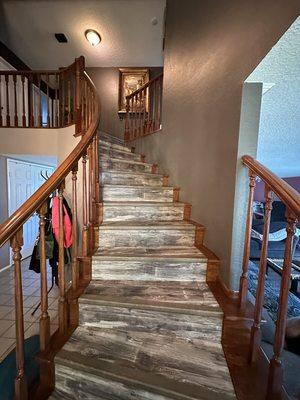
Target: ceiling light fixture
(92, 37)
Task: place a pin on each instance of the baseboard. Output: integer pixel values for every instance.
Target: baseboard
(5, 268)
(231, 294)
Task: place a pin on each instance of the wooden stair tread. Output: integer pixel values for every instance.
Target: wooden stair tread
(175, 252)
(142, 373)
(171, 295)
(114, 159)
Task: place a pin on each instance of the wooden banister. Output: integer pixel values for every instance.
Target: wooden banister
(143, 109)
(291, 199)
(72, 87)
(288, 195)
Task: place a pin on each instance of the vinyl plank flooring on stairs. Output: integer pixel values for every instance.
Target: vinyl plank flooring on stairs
(149, 325)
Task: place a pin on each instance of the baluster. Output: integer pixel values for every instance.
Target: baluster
(74, 228)
(96, 179)
(1, 119)
(255, 330)
(16, 120)
(159, 102)
(56, 101)
(147, 125)
(85, 208)
(40, 120)
(275, 379)
(244, 277)
(91, 183)
(127, 119)
(62, 303)
(7, 100)
(48, 101)
(20, 380)
(155, 112)
(23, 102)
(131, 119)
(135, 114)
(44, 319)
(30, 100)
(79, 67)
(62, 78)
(144, 111)
(140, 113)
(75, 271)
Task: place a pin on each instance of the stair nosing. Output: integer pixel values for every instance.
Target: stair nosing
(166, 387)
(144, 203)
(89, 298)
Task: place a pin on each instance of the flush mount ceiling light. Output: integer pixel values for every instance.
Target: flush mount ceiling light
(92, 37)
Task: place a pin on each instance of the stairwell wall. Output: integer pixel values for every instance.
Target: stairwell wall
(210, 49)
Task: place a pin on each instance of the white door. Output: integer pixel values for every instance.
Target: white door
(24, 179)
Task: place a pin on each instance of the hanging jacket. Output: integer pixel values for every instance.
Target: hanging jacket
(67, 221)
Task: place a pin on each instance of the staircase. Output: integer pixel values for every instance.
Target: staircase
(149, 326)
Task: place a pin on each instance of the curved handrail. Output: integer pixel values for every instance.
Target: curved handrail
(147, 84)
(288, 195)
(23, 213)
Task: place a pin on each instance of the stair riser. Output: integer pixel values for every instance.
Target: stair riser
(110, 152)
(73, 384)
(137, 194)
(185, 326)
(109, 164)
(114, 146)
(148, 271)
(145, 237)
(115, 178)
(111, 139)
(142, 213)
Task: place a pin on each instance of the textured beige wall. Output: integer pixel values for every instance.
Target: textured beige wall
(211, 47)
(107, 84)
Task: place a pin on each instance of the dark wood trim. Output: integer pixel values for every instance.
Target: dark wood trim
(11, 58)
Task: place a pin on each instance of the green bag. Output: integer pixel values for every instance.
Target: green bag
(49, 244)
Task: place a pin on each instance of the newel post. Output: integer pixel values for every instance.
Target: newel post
(244, 277)
(79, 68)
(276, 372)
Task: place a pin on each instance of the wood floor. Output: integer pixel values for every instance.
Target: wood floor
(149, 325)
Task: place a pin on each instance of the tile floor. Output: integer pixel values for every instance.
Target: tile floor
(31, 297)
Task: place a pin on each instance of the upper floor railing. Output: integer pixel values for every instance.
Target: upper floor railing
(144, 110)
(76, 100)
(291, 199)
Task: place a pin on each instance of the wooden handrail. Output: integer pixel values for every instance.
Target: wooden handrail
(144, 109)
(288, 195)
(23, 213)
(147, 84)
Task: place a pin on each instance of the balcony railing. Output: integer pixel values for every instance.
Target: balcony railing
(144, 110)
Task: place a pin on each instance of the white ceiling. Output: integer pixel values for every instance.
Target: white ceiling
(128, 36)
(279, 131)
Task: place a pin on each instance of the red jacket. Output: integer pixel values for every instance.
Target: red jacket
(66, 222)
